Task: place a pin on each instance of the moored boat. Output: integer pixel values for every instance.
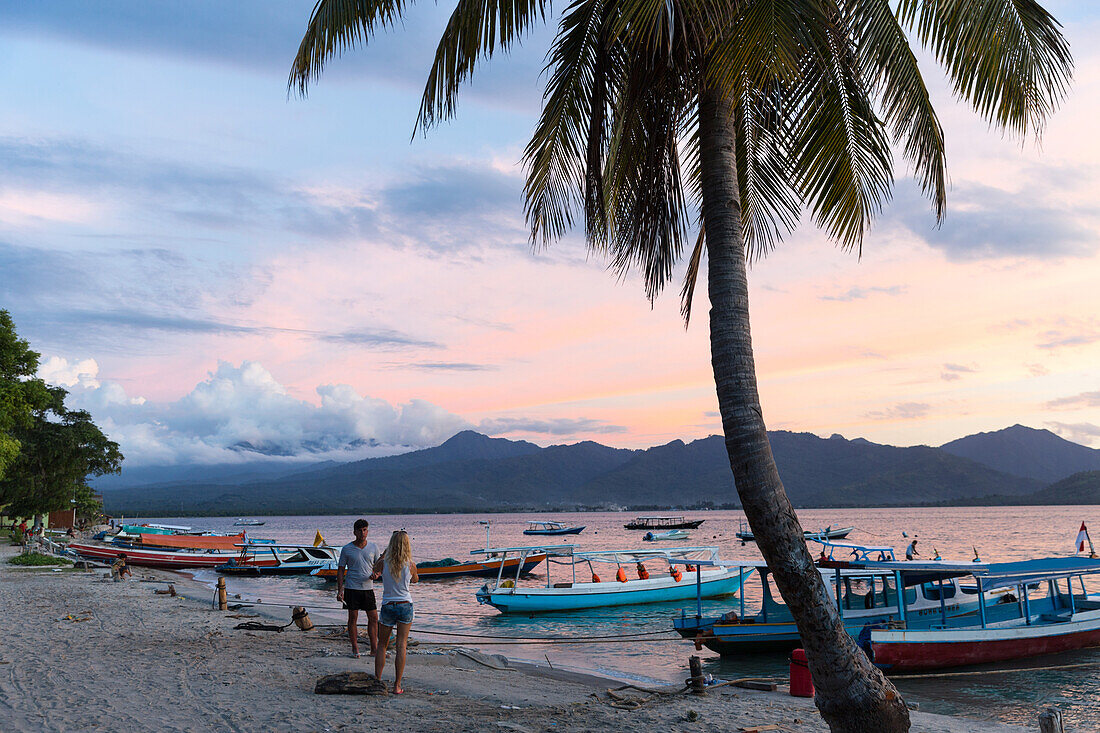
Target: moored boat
(154, 557)
(866, 598)
(663, 523)
(668, 583)
(745, 534)
(451, 568)
(551, 527)
(276, 559)
(248, 523)
(1056, 619)
(672, 534)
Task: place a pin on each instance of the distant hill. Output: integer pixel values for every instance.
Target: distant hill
(1080, 488)
(1024, 451)
(477, 473)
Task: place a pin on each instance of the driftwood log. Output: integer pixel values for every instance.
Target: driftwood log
(350, 683)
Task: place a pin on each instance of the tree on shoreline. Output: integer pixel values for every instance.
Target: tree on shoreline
(56, 448)
(750, 112)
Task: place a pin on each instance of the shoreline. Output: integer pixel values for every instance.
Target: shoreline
(87, 653)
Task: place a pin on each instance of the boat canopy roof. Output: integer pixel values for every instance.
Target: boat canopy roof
(548, 549)
(989, 575)
(264, 545)
(675, 555)
(547, 523)
(663, 516)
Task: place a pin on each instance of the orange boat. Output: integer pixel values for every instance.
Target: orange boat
(454, 569)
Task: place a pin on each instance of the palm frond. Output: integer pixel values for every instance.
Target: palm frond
(841, 154)
(335, 27)
(560, 153)
(1008, 58)
(890, 68)
(691, 276)
(476, 29)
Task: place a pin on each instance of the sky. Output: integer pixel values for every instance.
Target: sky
(219, 271)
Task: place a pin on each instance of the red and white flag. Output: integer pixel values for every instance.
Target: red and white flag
(1082, 540)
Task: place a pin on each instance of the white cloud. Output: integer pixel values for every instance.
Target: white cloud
(242, 413)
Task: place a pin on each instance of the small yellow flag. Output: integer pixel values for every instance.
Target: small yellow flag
(319, 539)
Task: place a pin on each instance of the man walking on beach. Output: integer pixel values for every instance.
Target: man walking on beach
(355, 585)
(911, 551)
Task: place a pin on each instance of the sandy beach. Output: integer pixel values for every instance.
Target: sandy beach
(81, 652)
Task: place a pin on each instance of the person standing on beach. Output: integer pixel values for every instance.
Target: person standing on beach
(355, 585)
(398, 570)
(911, 550)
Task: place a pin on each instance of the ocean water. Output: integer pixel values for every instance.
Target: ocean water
(636, 644)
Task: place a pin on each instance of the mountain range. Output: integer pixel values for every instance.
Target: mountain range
(473, 472)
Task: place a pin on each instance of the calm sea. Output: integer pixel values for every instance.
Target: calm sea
(998, 533)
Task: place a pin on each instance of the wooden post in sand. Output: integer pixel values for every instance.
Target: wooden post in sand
(1050, 721)
(698, 684)
(222, 603)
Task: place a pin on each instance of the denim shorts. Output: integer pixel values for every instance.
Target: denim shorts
(393, 613)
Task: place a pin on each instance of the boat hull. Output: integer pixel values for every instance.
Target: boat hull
(555, 532)
(153, 558)
(833, 534)
(610, 593)
(489, 569)
(914, 651)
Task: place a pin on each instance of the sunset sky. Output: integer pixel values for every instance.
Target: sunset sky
(207, 263)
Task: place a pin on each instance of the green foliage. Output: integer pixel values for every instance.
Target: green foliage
(56, 449)
(37, 558)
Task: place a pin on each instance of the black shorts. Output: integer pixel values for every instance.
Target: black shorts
(359, 600)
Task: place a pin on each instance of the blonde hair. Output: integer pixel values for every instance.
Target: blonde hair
(398, 553)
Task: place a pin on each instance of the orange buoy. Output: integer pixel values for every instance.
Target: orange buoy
(802, 685)
(595, 578)
(620, 575)
(676, 574)
(643, 574)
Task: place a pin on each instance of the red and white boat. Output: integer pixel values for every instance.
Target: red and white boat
(167, 551)
(1049, 610)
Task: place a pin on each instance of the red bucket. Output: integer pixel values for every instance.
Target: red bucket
(802, 685)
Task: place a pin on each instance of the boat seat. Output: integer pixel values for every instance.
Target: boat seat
(563, 585)
(1089, 605)
(1056, 618)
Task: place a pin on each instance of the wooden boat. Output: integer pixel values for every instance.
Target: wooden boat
(666, 584)
(664, 522)
(865, 598)
(551, 528)
(156, 557)
(451, 568)
(275, 559)
(672, 534)
(828, 533)
(1059, 620)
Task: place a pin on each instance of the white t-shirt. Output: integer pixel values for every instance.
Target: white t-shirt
(395, 589)
(360, 564)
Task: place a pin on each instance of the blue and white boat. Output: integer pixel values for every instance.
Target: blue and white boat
(551, 527)
(661, 581)
(866, 593)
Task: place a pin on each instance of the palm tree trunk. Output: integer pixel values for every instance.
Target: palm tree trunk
(852, 694)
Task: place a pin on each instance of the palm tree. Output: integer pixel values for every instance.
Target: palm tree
(750, 112)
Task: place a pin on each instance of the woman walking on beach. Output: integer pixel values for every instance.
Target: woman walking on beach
(398, 570)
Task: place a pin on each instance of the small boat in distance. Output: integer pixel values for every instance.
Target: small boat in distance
(672, 534)
(248, 523)
(551, 528)
(665, 522)
(451, 568)
(829, 533)
(667, 582)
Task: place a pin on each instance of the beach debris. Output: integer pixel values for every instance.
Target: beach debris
(76, 619)
(463, 657)
(514, 726)
(243, 615)
(691, 716)
(349, 683)
(170, 591)
(761, 685)
(300, 617)
(760, 728)
(257, 626)
(440, 692)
